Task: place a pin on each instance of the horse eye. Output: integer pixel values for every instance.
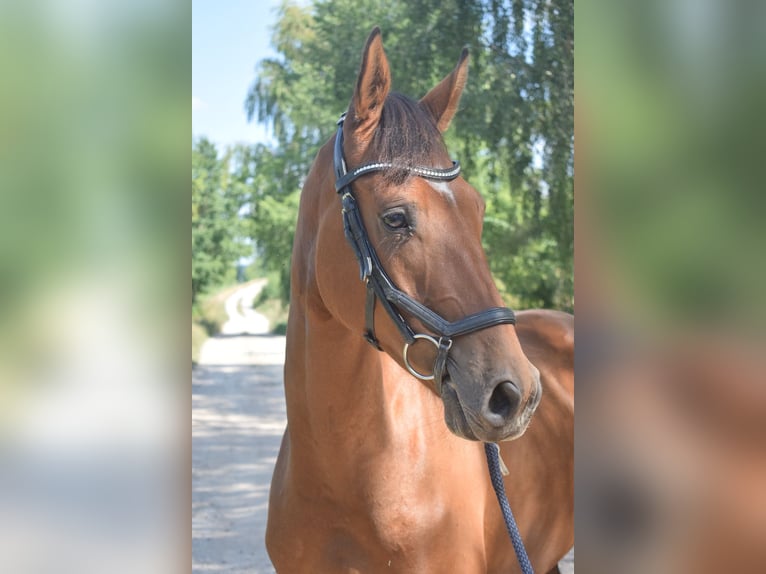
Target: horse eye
(396, 220)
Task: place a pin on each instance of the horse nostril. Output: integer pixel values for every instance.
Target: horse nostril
(504, 401)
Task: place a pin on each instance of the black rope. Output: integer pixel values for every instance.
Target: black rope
(493, 462)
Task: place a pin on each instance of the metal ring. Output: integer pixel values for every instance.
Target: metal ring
(410, 368)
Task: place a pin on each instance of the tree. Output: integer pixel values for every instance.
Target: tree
(514, 133)
(274, 178)
(217, 229)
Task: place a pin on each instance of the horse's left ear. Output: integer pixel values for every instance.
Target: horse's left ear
(443, 99)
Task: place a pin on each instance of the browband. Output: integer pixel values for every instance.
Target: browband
(343, 179)
(427, 172)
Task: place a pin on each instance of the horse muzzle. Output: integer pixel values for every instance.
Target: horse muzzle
(499, 413)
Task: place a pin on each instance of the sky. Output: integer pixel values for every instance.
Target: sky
(228, 38)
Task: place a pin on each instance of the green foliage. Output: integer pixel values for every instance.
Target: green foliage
(271, 290)
(273, 178)
(217, 229)
(199, 336)
(514, 133)
(271, 303)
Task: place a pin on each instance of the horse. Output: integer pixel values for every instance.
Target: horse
(381, 467)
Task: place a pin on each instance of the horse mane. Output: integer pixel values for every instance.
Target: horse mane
(406, 136)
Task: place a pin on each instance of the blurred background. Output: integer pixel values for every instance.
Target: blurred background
(671, 393)
(94, 153)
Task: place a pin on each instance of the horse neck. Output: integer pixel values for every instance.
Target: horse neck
(345, 401)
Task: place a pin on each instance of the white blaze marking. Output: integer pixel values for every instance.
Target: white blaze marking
(443, 188)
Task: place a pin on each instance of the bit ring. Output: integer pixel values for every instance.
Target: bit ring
(407, 364)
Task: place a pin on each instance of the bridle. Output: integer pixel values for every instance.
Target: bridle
(381, 288)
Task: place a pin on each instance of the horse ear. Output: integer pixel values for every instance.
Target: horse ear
(372, 86)
(443, 99)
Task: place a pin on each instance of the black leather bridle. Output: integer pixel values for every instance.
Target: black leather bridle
(379, 284)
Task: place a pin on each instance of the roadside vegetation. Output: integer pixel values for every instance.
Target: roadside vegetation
(270, 303)
(208, 316)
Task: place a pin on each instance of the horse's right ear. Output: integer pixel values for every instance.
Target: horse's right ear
(372, 87)
(443, 99)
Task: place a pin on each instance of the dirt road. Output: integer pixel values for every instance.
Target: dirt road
(238, 416)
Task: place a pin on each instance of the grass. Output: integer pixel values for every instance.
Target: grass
(275, 312)
(270, 304)
(208, 317)
(199, 336)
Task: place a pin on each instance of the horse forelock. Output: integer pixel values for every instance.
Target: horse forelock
(406, 136)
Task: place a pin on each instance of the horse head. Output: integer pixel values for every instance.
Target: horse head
(421, 225)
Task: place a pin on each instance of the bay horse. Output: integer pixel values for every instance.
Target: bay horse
(369, 478)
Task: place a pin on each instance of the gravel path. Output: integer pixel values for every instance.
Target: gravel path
(238, 416)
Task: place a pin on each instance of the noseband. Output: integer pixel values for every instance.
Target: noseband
(381, 288)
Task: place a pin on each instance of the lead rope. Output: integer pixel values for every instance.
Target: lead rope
(495, 474)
